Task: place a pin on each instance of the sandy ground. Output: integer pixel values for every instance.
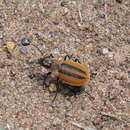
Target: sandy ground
(95, 31)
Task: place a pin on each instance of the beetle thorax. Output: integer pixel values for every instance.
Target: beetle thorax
(55, 66)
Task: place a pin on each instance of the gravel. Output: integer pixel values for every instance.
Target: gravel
(65, 28)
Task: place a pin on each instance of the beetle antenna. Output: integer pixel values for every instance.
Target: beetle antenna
(34, 61)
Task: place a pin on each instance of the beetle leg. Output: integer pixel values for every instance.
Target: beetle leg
(51, 56)
(45, 77)
(77, 60)
(57, 83)
(66, 57)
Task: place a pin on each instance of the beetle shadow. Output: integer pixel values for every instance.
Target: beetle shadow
(69, 90)
(62, 88)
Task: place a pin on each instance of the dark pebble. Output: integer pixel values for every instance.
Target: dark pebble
(98, 51)
(129, 42)
(25, 42)
(52, 34)
(38, 36)
(119, 1)
(63, 3)
(12, 73)
(103, 16)
(31, 75)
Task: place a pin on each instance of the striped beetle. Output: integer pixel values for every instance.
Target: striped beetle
(71, 74)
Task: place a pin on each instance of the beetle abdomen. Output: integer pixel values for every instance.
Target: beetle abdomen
(73, 73)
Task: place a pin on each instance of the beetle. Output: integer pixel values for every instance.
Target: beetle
(71, 74)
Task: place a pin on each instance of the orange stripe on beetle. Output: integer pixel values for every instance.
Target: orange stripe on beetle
(73, 73)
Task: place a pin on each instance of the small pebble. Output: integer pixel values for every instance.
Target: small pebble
(24, 50)
(110, 55)
(119, 1)
(121, 76)
(50, 109)
(56, 122)
(63, 3)
(10, 46)
(32, 75)
(83, 27)
(102, 16)
(25, 42)
(97, 121)
(98, 51)
(52, 87)
(1, 37)
(12, 73)
(38, 35)
(105, 51)
(52, 34)
(1, 49)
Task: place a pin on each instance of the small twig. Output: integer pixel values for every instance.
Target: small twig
(8, 127)
(81, 126)
(80, 15)
(112, 116)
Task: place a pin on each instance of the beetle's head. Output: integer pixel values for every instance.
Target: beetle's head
(46, 62)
